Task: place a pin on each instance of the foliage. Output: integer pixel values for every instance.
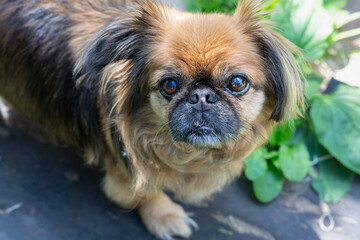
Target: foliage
(294, 161)
(269, 185)
(324, 143)
(336, 121)
(211, 5)
(333, 182)
(305, 23)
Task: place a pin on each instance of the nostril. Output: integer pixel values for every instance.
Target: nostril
(193, 98)
(211, 98)
(203, 96)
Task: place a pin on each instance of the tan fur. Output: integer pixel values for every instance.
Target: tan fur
(147, 139)
(164, 218)
(193, 42)
(90, 15)
(249, 17)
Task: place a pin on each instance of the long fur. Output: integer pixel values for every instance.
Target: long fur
(87, 71)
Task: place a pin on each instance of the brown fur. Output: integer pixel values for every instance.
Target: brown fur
(119, 50)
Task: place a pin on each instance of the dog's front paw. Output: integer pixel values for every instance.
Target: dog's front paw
(165, 219)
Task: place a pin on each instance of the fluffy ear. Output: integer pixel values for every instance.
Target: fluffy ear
(116, 60)
(284, 75)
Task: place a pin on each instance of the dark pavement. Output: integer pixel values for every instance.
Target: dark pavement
(62, 199)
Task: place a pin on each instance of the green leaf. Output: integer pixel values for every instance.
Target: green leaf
(301, 133)
(255, 164)
(228, 6)
(272, 154)
(336, 119)
(305, 23)
(275, 162)
(281, 134)
(339, 17)
(335, 4)
(305, 134)
(346, 34)
(269, 185)
(333, 182)
(294, 161)
(343, 17)
(314, 83)
(270, 4)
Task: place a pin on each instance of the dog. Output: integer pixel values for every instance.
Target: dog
(163, 100)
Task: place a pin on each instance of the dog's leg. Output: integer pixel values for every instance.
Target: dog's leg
(164, 218)
(117, 187)
(160, 215)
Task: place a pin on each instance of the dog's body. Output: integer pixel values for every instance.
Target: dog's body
(110, 107)
(37, 64)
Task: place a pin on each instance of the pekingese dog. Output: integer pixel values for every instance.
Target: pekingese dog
(163, 100)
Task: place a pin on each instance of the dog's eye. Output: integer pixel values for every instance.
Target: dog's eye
(238, 85)
(168, 87)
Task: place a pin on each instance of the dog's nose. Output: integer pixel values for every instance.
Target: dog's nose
(203, 97)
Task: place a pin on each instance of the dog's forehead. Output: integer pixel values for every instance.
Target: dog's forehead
(198, 41)
(209, 44)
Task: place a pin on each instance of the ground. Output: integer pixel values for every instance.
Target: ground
(61, 198)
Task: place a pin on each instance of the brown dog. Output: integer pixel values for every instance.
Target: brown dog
(162, 99)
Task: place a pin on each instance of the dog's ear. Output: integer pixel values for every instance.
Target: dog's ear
(284, 75)
(116, 60)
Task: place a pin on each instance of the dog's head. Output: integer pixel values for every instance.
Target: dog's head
(206, 77)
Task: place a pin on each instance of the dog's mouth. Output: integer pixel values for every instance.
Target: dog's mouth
(201, 130)
(202, 136)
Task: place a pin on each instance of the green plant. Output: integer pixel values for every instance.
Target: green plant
(328, 138)
(211, 5)
(324, 143)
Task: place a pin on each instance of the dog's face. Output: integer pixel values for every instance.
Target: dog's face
(209, 82)
(208, 78)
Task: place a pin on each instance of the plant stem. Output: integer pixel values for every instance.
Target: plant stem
(352, 17)
(341, 54)
(347, 34)
(312, 172)
(323, 158)
(317, 160)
